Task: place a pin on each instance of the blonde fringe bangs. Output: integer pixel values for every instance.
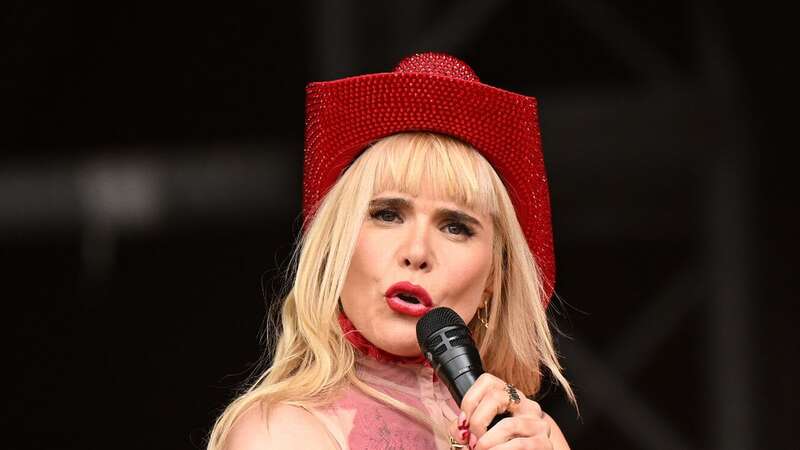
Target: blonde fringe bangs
(449, 169)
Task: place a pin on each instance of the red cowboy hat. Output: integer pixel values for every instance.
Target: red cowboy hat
(439, 93)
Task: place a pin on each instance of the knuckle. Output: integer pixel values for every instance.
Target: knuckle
(486, 379)
(541, 441)
(501, 396)
(527, 425)
(469, 401)
(468, 404)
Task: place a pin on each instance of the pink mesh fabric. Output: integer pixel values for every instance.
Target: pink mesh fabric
(357, 421)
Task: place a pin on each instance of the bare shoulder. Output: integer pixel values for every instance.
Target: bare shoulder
(556, 436)
(278, 427)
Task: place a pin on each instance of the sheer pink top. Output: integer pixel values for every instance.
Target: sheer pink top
(357, 421)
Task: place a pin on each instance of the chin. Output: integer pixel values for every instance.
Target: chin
(401, 342)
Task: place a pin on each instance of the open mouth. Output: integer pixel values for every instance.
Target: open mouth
(407, 294)
(408, 298)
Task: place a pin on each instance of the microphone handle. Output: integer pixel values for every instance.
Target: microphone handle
(462, 382)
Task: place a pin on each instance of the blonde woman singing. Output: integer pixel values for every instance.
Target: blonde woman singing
(423, 187)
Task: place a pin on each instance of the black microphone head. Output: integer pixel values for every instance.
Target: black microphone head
(434, 320)
(441, 329)
(447, 344)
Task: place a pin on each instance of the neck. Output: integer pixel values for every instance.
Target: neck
(367, 348)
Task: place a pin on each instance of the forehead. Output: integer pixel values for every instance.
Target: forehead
(423, 201)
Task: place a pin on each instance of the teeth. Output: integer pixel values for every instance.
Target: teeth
(408, 298)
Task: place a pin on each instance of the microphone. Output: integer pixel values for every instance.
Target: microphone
(447, 344)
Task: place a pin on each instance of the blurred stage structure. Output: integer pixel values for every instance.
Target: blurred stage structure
(663, 161)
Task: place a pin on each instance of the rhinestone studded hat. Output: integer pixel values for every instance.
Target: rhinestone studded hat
(439, 93)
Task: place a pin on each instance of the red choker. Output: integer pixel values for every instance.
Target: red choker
(368, 348)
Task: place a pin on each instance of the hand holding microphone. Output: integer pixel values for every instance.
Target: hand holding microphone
(493, 411)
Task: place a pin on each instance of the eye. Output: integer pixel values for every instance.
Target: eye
(385, 215)
(459, 228)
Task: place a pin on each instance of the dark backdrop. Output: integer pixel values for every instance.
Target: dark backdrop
(150, 196)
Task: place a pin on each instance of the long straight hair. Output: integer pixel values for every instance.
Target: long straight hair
(312, 359)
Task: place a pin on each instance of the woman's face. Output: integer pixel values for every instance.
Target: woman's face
(417, 242)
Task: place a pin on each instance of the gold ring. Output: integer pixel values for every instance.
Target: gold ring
(513, 396)
(454, 444)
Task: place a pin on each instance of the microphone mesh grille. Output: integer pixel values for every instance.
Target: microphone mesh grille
(435, 320)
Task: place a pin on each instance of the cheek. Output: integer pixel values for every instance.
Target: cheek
(472, 265)
(369, 257)
(369, 254)
(481, 265)
(468, 274)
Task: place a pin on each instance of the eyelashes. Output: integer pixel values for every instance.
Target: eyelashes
(453, 227)
(462, 228)
(381, 214)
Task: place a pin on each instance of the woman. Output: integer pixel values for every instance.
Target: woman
(422, 187)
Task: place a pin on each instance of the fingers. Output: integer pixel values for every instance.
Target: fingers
(489, 397)
(514, 429)
(527, 427)
(492, 403)
(487, 385)
(458, 430)
(535, 442)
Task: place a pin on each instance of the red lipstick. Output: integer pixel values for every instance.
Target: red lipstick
(409, 299)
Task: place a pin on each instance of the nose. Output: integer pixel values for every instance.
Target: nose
(416, 253)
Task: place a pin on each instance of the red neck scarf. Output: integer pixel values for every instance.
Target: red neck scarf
(368, 348)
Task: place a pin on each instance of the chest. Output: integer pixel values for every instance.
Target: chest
(359, 421)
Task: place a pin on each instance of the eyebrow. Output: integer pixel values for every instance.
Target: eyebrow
(403, 204)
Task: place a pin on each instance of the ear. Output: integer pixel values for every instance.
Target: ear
(487, 295)
(488, 290)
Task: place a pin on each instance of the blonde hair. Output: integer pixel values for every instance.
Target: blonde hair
(313, 359)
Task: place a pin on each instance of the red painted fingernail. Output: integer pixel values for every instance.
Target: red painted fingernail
(473, 440)
(462, 420)
(465, 435)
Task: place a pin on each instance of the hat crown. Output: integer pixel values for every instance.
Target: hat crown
(437, 64)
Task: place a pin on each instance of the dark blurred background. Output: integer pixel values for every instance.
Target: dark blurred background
(150, 195)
